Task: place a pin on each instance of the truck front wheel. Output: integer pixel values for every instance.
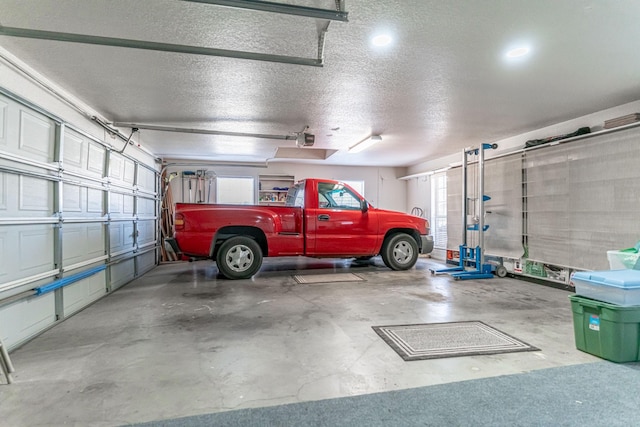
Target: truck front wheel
(400, 252)
(239, 257)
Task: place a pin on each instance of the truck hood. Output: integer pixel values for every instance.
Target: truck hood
(389, 216)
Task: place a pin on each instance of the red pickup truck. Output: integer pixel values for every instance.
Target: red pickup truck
(321, 218)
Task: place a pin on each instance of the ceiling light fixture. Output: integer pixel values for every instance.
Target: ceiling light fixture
(381, 40)
(365, 143)
(518, 52)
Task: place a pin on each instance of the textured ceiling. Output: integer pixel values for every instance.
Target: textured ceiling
(442, 85)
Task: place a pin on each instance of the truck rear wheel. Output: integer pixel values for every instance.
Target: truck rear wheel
(400, 252)
(239, 257)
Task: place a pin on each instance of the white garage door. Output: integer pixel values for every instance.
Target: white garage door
(77, 219)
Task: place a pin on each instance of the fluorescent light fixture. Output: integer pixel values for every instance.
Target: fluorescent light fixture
(381, 40)
(365, 143)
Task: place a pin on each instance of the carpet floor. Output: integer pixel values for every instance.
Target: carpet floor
(594, 394)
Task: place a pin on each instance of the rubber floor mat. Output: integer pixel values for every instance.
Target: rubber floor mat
(327, 278)
(453, 339)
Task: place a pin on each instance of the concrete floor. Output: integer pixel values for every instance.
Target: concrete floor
(180, 341)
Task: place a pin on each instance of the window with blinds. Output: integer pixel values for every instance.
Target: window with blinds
(439, 210)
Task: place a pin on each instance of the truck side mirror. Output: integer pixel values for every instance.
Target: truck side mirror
(364, 206)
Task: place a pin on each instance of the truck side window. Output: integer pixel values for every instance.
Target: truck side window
(337, 197)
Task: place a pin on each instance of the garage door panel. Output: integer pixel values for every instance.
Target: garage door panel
(82, 293)
(3, 254)
(128, 202)
(121, 273)
(121, 205)
(146, 232)
(116, 204)
(82, 242)
(121, 169)
(146, 262)
(82, 202)
(35, 195)
(25, 197)
(116, 239)
(146, 180)
(116, 166)
(96, 159)
(25, 251)
(35, 252)
(37, 136)
(129, 172)
(72, 198)
(146, 207)
(4, 108)
(3, 191)
(120, 237)
(95, 201)
(83, 155)
(26, 318)
(73, 155)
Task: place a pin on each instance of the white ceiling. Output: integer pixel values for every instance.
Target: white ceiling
(442, 85)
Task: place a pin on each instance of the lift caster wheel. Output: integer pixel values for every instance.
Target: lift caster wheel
(501, 271)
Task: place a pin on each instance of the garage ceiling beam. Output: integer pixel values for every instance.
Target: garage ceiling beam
(147, 45)
(289, 9)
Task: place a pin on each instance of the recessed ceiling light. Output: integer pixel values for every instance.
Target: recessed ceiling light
(518, 52)
(381, 40)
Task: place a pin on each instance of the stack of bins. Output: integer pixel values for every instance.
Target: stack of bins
(606, 313)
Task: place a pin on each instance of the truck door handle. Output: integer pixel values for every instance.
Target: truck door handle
(323, 217)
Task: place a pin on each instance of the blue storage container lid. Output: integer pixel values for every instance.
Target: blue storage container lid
(627, 279)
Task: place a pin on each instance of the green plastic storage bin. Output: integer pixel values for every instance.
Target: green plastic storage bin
(606, 330)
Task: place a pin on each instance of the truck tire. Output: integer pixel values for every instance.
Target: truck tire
(400, 252)
(239, 257)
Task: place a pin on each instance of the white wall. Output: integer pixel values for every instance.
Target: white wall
(382, 186)
(419, 194)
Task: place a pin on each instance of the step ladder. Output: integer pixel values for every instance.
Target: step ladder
(5, 363)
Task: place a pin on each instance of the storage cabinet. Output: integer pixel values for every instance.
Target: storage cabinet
(272, 189)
